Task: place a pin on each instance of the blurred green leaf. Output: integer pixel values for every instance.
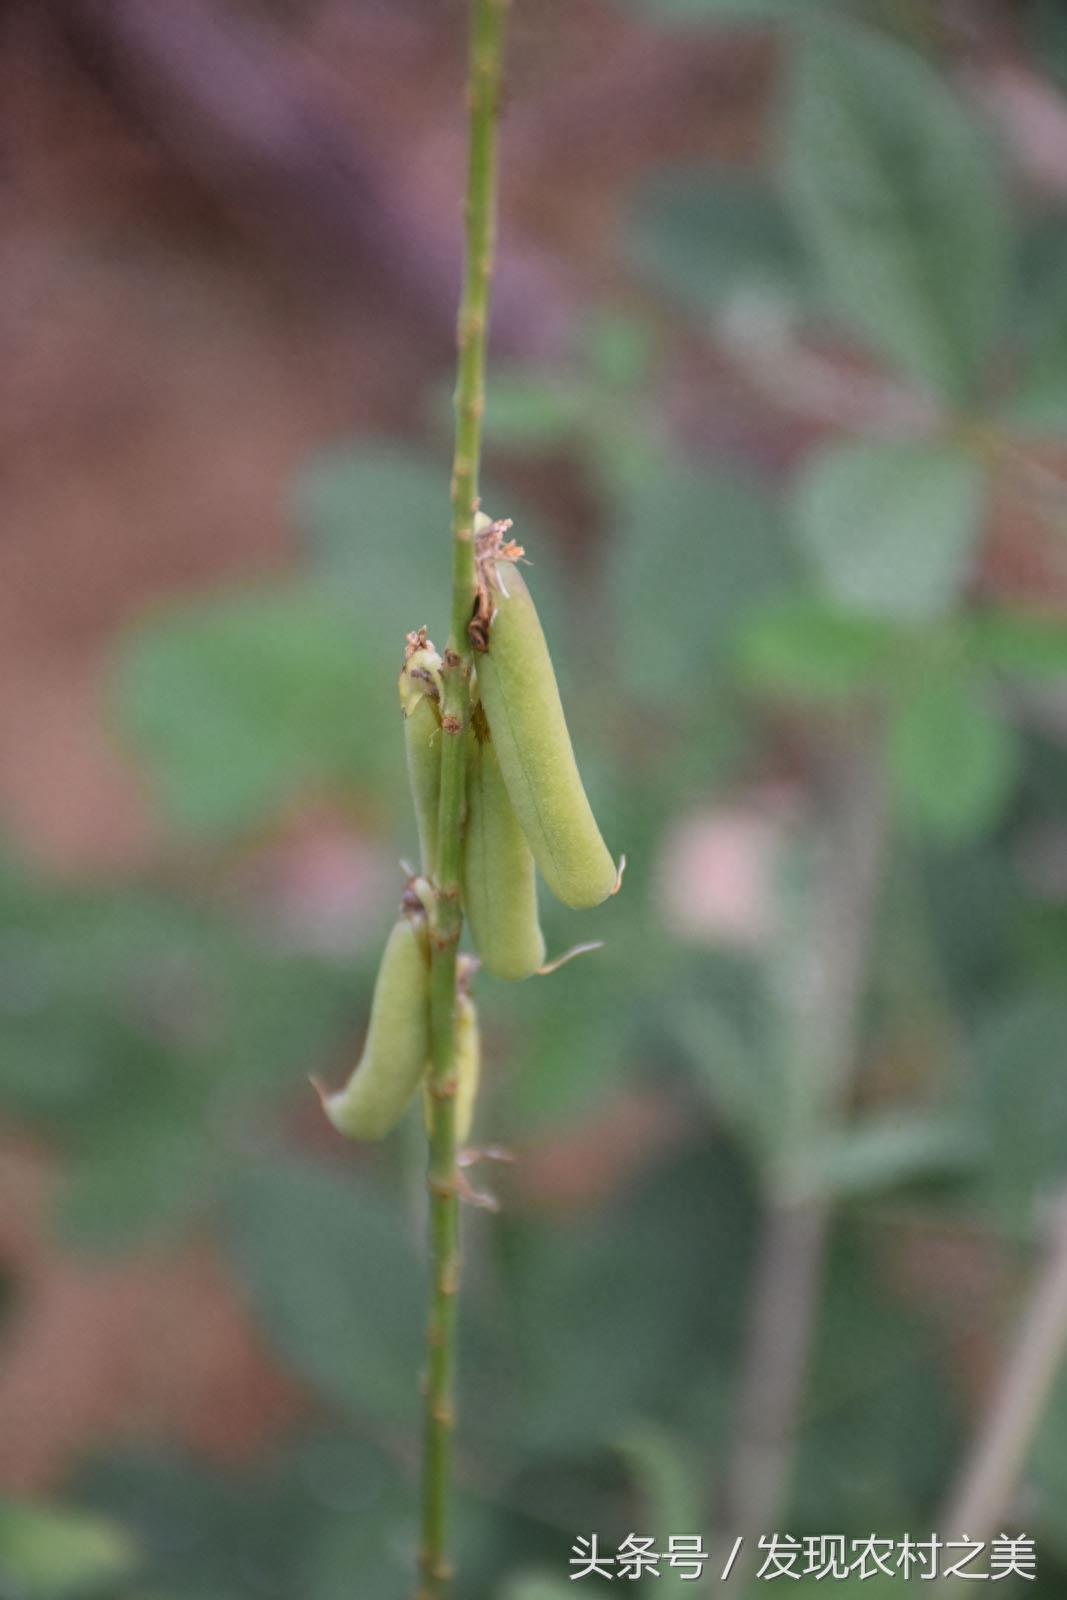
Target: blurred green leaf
(567, 1032)
(213, 1535)
(1040, 402)
(366, 1535)
(139, 1180)
(530, 1586)
(880, 1432)
(1046, 23)
(608, 1320)
(619, 349)
(530, 411)
(360, 1554)
(328, 1266)
(732, 1063)
(135, 1031)
(1039, 268)
(279, 1015)
(241, 703)
(378, 521)
(804, 649)
(49, 1553)
(971, 896)
(877, 1153)
(1039, 399)
(890, 529)
(670, 1491)
(705, 235)
(689, 12)
(696, 552)
(1021, 1091)
(377, 517)
(77, 997)
(954, 759)
(1036, 403)
(1017, 644)
(897, 195)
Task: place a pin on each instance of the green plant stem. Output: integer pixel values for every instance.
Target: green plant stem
(485, 62)
(824, 991)
(981, 1504)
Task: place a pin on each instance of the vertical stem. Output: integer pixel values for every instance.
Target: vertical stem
(483, 90)
(486, 51)
(990, 1475)
(825, 999)
(782, 1314)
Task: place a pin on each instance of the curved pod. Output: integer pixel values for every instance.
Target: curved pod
(420, 700)
(533, 746)
(499, 879)
(394, 1057)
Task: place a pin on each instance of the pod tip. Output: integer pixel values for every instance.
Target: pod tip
(333, 1107)
(325, 1097)
(619, 874)
(569, 955)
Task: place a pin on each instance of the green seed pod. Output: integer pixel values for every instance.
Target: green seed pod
(521, 700)
(468, 1069)
(499, 879)
(398, 1042)
(420, 701)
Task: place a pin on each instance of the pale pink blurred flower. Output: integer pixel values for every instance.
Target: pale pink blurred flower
(324, 886)
(716, 880)
(1033, 120)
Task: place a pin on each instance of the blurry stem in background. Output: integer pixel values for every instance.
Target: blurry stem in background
(483, 91)
(991, 1473)
(826, 993)
(1046, 485)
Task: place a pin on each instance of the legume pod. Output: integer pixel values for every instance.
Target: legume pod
(499, 879)
(420, 700)
(521, 700)
(394, 1057)
(468, 1068)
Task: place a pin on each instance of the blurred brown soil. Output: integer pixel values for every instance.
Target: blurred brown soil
(96, 1353)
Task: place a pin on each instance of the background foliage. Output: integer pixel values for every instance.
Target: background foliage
(887, 287)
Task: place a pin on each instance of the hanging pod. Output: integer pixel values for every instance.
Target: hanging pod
(394, 1057)
(420, 701)
(468, 1054)
(524, 711)
(499, 878)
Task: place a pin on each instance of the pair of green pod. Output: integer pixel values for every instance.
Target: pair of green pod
(395, 1059)
(526, 804)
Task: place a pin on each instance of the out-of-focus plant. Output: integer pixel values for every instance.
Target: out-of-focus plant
(836, 654)
(909, 252)
(47, 1553)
